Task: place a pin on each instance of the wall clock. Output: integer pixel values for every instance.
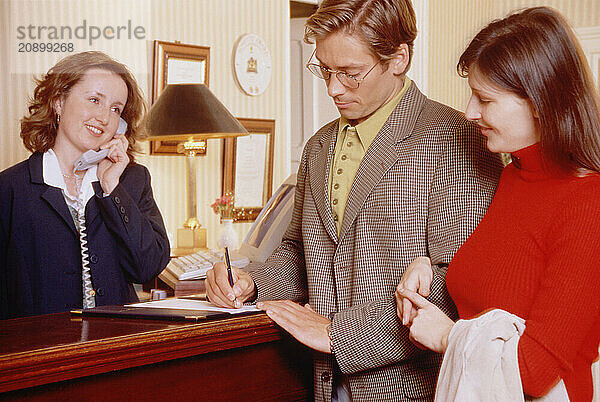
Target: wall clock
(252, 64)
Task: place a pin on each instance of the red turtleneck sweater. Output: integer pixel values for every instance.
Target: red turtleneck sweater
(536, 254)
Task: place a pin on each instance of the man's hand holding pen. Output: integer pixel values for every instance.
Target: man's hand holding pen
(227, 286)
(219, 291)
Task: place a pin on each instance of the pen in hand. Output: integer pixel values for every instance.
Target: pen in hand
(229, 275)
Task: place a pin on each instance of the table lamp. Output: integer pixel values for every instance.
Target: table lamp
(190, 113)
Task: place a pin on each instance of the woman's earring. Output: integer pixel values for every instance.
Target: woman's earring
(57, 118)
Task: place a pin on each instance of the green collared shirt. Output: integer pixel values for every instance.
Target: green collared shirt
(351, 145)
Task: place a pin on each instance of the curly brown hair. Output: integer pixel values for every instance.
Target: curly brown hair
(39, 127)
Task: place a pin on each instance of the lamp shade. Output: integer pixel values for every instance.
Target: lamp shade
(190, 112)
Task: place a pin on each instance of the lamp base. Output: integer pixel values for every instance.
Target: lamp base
(190, 240)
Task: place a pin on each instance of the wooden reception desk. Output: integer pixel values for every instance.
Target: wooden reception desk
(60, 357)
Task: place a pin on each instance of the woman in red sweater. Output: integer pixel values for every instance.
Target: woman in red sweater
(535, 253)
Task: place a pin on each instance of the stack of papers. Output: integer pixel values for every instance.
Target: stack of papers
(167, 309)
(187, 304)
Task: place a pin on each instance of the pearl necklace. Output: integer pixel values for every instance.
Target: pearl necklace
(76, 179)
(75, 176)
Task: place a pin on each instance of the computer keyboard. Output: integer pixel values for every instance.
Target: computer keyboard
(194, 266)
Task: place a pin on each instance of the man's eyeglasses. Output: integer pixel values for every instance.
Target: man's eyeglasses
(348, 80)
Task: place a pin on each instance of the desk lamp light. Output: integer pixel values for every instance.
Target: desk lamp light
(190, 113)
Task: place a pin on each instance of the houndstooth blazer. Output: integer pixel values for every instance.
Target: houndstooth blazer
(422, 187)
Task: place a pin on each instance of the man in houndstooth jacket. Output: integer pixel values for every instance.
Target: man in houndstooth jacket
(413, 178)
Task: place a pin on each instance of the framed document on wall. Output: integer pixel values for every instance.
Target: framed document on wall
(177, 63)
(248, 168)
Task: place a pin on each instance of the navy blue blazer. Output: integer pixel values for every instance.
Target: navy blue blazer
(40, 254)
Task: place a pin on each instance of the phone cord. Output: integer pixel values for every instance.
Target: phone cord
(88, 291)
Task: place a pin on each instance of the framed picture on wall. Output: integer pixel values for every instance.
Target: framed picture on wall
(248, 168)
(177, 63)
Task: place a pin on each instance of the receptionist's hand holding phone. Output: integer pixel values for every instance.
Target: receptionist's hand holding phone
(111, 167)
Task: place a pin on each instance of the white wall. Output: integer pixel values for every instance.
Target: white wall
(311, 107)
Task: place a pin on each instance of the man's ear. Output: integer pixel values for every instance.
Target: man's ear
(399, 62)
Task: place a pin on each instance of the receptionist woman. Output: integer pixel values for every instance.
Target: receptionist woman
(78, 238)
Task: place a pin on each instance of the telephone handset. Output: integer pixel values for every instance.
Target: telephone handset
(91, 157)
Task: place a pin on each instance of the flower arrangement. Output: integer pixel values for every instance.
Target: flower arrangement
(223, 206)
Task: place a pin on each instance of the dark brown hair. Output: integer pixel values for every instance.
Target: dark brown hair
(383, 25)
(534, 54)
(38, 128)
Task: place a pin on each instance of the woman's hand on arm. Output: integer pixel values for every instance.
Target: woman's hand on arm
(430, 327)
(417, 277)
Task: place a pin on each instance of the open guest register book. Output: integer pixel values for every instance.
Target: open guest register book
(174, 309)
(264, 235)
